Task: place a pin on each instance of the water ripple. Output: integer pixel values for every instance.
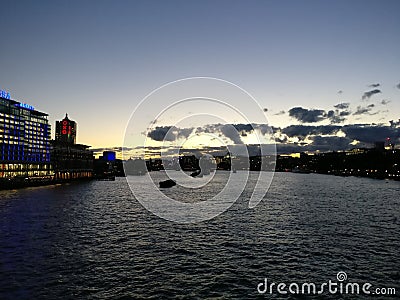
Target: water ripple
(94, 241)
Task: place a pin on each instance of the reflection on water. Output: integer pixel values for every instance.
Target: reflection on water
(93, 240)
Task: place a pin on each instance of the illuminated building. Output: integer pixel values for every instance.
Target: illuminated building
(70, 160)
(107, 166)
(24, 142)
(66, 130)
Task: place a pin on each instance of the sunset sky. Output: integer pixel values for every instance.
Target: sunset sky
(96, 60)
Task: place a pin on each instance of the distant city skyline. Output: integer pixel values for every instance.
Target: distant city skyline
(314, 66)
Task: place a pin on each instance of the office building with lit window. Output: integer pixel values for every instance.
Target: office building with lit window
(66, 130)
(70, 161)
(24, 142)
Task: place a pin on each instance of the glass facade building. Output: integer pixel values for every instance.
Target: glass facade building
(24, 141)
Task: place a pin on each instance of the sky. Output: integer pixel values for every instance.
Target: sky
(96, 60)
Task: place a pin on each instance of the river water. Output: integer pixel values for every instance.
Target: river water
(93, 240)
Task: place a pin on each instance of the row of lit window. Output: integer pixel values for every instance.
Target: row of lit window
(11, 121)
(36, 159)
(23, 173)
(27, 137)
(19, 135)
(24, 159)
(12, 139)
(30, 119)
(27, 157)
(22, 128)
(24, 152)
(11, 167)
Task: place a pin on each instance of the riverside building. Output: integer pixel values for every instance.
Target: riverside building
(70, 160)
(24, 142)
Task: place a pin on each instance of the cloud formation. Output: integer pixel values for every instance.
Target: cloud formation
(394, 123)
(375, 85)
(282, 112)
(307, 115)
(384, 102)
(370, 133)
(316, 115)
(293, 138)
(369, 94)
(232, 133)
(168, 133)
(362, 110)
(342, 105)
(303, 130)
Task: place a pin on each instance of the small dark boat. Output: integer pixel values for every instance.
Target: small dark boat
(195, 173)
(167, 183)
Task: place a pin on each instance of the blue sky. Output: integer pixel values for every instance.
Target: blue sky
(97, 59)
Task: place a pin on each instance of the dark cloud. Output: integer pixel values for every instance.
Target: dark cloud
(398, 86)
(168, 133)
(322, 137)
(243, 127)
(336, 119)
(265, 109)
(342, 105)
(232, 133)
(265, 129)
(282, 112)
(370, 133)
(316, 115)
(319, 143)
(303, 130)
(384, 102)
(330, 143)
(184, 132)
(161, 133)
(281, 139)
(307, 115)
(363, 110)
(344, 113)
(394, 123)
(340, 92)
(375, 85)
(369, 94)
(330, 114)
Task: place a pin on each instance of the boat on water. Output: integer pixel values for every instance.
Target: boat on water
(167, 183)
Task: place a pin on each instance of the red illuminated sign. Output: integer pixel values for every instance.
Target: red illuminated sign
(65, 128)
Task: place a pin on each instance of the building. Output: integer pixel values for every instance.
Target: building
(66, 130)
(70, 160)
(24, 142)
(108, 166)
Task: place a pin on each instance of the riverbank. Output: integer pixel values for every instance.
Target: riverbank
(17, 183)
